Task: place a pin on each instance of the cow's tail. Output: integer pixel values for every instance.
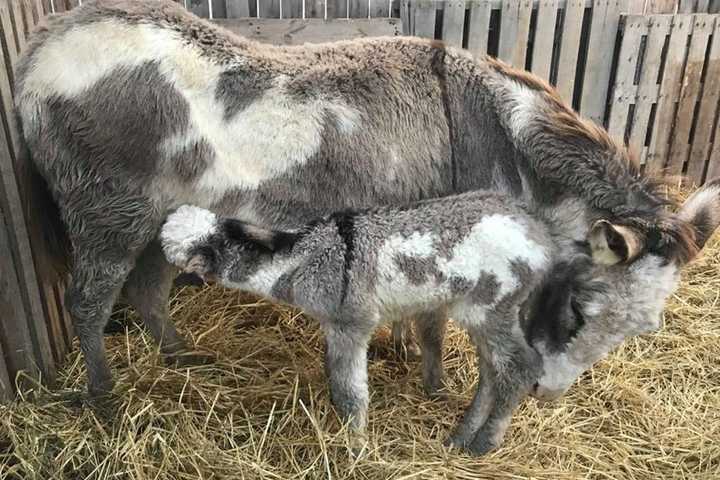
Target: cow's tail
(51, 244)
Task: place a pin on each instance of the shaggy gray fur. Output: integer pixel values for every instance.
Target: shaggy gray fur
(394, 120)
(350, 271)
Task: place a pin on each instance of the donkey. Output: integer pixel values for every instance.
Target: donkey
(477, 256)
(538, 309)
(131, 109)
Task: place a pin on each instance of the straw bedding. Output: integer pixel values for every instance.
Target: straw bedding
(261, 410)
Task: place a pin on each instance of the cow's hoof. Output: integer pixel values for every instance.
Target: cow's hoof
(189, 358)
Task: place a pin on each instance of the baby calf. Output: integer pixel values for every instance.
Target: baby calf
(474, 257)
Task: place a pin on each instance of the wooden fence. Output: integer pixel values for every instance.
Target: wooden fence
(647, 69)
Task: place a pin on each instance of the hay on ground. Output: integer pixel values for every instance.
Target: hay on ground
(650, 411)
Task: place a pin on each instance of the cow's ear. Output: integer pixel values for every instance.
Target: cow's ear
(702, 211)
(611, 244)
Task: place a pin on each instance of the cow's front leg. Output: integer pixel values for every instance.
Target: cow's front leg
(346, 370)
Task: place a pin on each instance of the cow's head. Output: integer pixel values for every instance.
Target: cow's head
(592, 302)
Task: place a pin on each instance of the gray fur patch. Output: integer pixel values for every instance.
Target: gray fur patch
(486, 290)
(418, 269)
(239, 86)
(192, 160)
(112, 129)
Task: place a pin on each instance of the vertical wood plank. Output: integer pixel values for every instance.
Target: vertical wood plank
(423, 18)
(359, 9)
(479, 27)
(453, 22)
(647, 94)
(702, 6)
(290, 8)
(669, 92)
(514, 30)
(544, 38)
(14, 331)
(405, 17)
(314, 8)
(601, 46)
(337, 8)
(569, 48)
(378, 8)
(201, 8)
(58, 5)
(661, 6)
(624, 90)
(237, 8)
(269, 9)
(714, 160)
(679, 147)
(19, 238)
(686, 6)
(709, 105)
(18, 24)
(32, 16)
(9, 45)
(6, 385)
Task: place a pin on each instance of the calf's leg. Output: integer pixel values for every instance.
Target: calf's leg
(430, 329)
(346, 370)
(479, 409)
(515, 367)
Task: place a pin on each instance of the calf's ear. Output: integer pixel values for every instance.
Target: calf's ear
(702, 211)
(272, 240)
(611, 244)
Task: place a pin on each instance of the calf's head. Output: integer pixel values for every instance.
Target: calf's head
(197, 241)
(591, 303)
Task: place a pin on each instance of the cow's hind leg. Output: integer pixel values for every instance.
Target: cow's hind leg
(109, 228)
(97, 278)
(147, 289)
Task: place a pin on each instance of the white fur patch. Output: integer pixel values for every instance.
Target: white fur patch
(704, 200)
(523, 107)
(393, 288)
(272, 135)
(491, 246)
(560, 372)
(262, 282)
(183, 229)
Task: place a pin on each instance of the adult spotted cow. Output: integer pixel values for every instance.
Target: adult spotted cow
(130, 109)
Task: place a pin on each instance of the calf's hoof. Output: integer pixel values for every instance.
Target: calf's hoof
(434, 388)
(357, 445)
(481, 445)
